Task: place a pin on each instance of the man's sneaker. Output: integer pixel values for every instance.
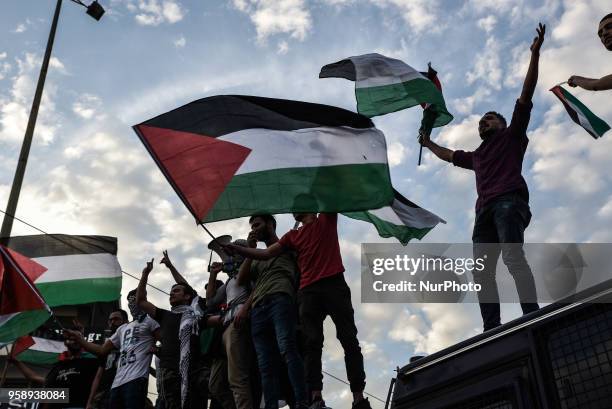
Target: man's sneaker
(318, 404)
(362, 404)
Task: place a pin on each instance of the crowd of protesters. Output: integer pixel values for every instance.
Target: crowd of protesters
(235, 348)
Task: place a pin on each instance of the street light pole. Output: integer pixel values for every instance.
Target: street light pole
(7, 222)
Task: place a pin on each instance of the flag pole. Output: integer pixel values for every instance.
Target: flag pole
(559, 84)
(209, 233)
(420, 154)
(6, 364)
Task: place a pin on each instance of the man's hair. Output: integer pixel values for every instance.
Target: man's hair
(266, 218)
(131, 293)
(187, 288)
(606, 17)
(123, 313)
(499, 116)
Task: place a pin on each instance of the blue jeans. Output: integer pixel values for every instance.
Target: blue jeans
(130, 395)
(273, 328)
(501, 225)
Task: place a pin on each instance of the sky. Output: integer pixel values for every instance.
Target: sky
(89, 174)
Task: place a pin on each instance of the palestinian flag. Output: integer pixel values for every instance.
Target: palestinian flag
(80, 270)
(18, 295)
(403, 220)
(38, 350)
(384, 85)
(231, 156)
(580, 114)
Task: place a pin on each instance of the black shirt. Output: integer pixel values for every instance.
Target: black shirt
(170, 352)
(109, 364)
(76, 374)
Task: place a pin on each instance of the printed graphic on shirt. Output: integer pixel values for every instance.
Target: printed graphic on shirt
(134, 341)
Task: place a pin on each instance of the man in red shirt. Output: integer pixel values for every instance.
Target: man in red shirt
(502, 208)
(322, 292)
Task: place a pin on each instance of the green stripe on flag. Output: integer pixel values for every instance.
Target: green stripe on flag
(275, 191)
(22, 323)
(84, 291)
(384, 99)
(598, 125)
(385, 229)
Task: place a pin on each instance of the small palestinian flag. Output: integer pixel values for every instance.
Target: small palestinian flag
(38, 350)
(403, 220)
(231, 156)
(384, 85)
(580, 114)
(19, 296)
(79, 270)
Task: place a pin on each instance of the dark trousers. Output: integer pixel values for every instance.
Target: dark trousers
(329, 296)
(501, 225)
(273, 323)
(130, 395)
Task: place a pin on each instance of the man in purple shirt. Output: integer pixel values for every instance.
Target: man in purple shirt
(502, 208)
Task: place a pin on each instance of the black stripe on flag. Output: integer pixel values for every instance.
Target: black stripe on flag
(340, 69)
(223, 114)
(398, 196)
(47, 245)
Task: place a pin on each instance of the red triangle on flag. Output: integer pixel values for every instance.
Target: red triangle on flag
(21, 344)
(198, 167)
(17, 291)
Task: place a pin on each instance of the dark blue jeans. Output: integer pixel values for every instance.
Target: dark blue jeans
(130, 395)
(501, 224)
(273, 328)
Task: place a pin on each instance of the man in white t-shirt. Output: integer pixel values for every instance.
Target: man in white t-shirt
(134, 341)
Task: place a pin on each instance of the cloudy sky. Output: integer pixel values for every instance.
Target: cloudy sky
(89, 174)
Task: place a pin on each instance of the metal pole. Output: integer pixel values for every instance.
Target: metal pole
(7, 223)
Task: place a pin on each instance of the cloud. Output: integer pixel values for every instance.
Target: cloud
(180, 42)
(156, 12)
(487, 23)
(16, 104)
(283, 47)
(20, 28)
(273, 17)
(396, 153)
(439, 326)
(421, 15)
(487, 65)
(86, 106)
(5, 67)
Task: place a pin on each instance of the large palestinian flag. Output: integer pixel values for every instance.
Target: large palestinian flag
(230, 156)
(580, 114)
(403, 219)
(384, 85)
(80, 270)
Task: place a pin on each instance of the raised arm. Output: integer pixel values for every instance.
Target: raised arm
(244, 274)
(178, 278)
(141, 291)
(27, 372)
(531, 79)
(96, 349)
(440, 151)
(257, 254)
(591, 84)
(211, 288)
